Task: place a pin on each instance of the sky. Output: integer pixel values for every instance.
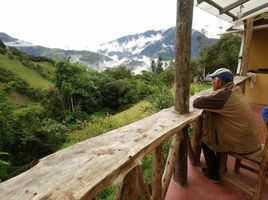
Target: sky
(85, 24)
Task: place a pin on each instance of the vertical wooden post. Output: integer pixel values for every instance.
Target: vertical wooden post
(129, 189)
(180, 171)
(246, 48)
(157, 173)
(144, 185)
(170, 163)
(197, 132)
(183, 77)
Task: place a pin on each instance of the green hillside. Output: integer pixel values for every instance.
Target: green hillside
(30, 76)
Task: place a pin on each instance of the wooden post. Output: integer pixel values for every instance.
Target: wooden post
(190, 149)
(197, 132)
(170, 163)
(180, 172)
(157, 173)
(144, 186)
(129, 189)
(183, 77)
(246, 48)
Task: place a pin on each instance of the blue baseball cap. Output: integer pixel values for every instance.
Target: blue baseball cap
(223, 74)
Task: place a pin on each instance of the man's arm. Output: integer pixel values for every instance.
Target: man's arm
(214, 101)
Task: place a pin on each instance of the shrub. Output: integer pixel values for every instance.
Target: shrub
(161, 98)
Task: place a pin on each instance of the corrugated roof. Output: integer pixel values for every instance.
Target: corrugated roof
(230, 10)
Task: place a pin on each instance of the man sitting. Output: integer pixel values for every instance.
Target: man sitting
(229, 124)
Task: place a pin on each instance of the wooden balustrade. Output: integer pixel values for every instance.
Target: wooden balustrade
(87, 168)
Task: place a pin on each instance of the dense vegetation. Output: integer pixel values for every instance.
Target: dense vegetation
(62, 103)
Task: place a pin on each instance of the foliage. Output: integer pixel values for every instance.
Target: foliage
(2, 47)
(120, 72)
(21, 86)
(4, 166)
(76, 87)
(195, 88)
(162, 97)
(159, 65)
(28, 75)
(153, 66)
(103, 123)
(223, 53)
(115, 93)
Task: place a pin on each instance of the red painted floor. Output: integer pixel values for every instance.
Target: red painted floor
(201, 188)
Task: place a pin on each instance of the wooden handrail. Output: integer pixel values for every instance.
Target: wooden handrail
(89, 167)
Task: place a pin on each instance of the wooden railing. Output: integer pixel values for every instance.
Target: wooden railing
(87, 168)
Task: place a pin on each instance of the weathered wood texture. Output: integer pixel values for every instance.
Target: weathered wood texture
(170, 163)
(197, 133)
(247, 45)
(183, 55)
(157, 173)
(181, 171)
(87, 168)
(183, 78)
(130, 189)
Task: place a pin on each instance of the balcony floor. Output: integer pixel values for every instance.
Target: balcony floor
(199, 187)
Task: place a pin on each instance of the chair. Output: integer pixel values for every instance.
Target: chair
(256, 162)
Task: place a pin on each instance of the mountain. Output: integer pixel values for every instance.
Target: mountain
(134, 51)
(91, 59)
(143, 47)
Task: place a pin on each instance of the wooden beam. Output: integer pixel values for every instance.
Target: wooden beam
(232, 6)
(246, 48)
(157, 173)
(255, 10)
(197, 133)
(170, 163)
(144, 186)
(217, 6)
(181, 169)
(183, 76)
(129, 189)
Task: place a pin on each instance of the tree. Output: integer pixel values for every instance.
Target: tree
(119, 72)
(223, 53)
(2, 47)
(159, 67)
(75, 84)
(153, 66)
(115, 93)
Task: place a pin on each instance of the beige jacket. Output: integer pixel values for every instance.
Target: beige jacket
(229, 123)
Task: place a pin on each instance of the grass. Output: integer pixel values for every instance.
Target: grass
(99, 124)
(30, 76)
(47, 67)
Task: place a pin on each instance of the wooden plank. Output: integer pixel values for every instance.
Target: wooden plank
(157, 173)
(232, 6)
(87, 168)
(246, 48)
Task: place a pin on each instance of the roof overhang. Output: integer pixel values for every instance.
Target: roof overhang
(233, 10)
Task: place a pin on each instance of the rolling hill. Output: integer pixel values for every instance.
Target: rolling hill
(32, 77)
